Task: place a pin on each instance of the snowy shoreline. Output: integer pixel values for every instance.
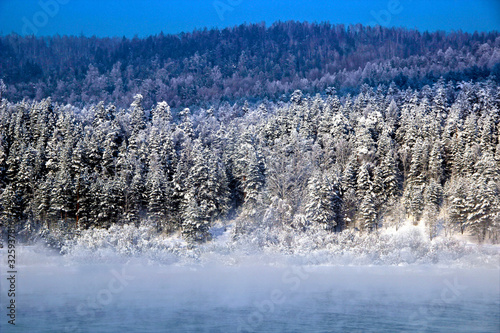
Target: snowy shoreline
(407, 246)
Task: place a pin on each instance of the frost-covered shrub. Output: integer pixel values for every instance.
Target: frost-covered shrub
(408, 245)
(126, 241)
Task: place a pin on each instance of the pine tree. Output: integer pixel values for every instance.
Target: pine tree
(433, 194)
(84, 204)
(378, 185)
(162, 116)
(364, 184)
(137, 122)
(432, 198)
(486, 140)
(351, 174)
(41, 201)
(389, 175)
(459, 208)
(179, 179)
(416, 202)
(186, 123)
(367, 213)
(61, 194)
(486, 168)
(415, 183)
(364, 141)
(137, 195)
(137, 115)
(212, 195)
(220, 185)
(108, 201)
(110, 151)
(482, 208)
(157, 191)
(253, 177)
(440, 101)
(10, 202)
(195, 226)
(25, 179)
(436, 163)
(393, 113)
(323, 202)
(482, 202)
(470, 130)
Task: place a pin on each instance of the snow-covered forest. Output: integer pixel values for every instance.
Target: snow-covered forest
(285, 129)
(324, 161)
(252, 61)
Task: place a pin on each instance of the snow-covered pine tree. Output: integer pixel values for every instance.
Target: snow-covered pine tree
(432, 200)
(253, 181)
(389, 174)
(436, 168)
(156, 186)
(486, 136)
(136, 196)
(61, 194)
(458, 207)
(416, 181)
(364, 184)
(186, 124)
(367, 213)
(195, 226)
(480, 203)
(110, 151)
(10, 203)
(350, 175)
(323, 202)
(108, 201)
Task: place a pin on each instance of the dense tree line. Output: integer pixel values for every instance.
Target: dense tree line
(245, 62)
(376, 158)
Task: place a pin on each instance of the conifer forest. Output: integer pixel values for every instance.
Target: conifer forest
(290, 127)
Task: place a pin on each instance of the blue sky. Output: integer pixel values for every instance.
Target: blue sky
(148, 17)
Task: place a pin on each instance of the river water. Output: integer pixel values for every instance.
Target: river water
(55, 294)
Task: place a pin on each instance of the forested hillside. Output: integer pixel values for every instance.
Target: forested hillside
(373, 159)
(245, 62)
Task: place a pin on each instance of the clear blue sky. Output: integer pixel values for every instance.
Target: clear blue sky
(149, 17)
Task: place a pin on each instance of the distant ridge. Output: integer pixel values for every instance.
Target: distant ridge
(246, 61)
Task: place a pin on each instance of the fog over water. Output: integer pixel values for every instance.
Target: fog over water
(253, 294)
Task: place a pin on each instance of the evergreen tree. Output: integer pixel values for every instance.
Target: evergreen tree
(137, 195)
(436, 163)
(212, 197)
(432, 198)
(137, 115)
(61, 198)
(195, 225)
(367, 213)
(351, 174)
(253, 182)
(415, 183)
(459, 208)
(186, 123)
(389, 176)
(364, 184)
(157, 191)
(487, 140)
(323, 202)
(10, 202)
(108, 201)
